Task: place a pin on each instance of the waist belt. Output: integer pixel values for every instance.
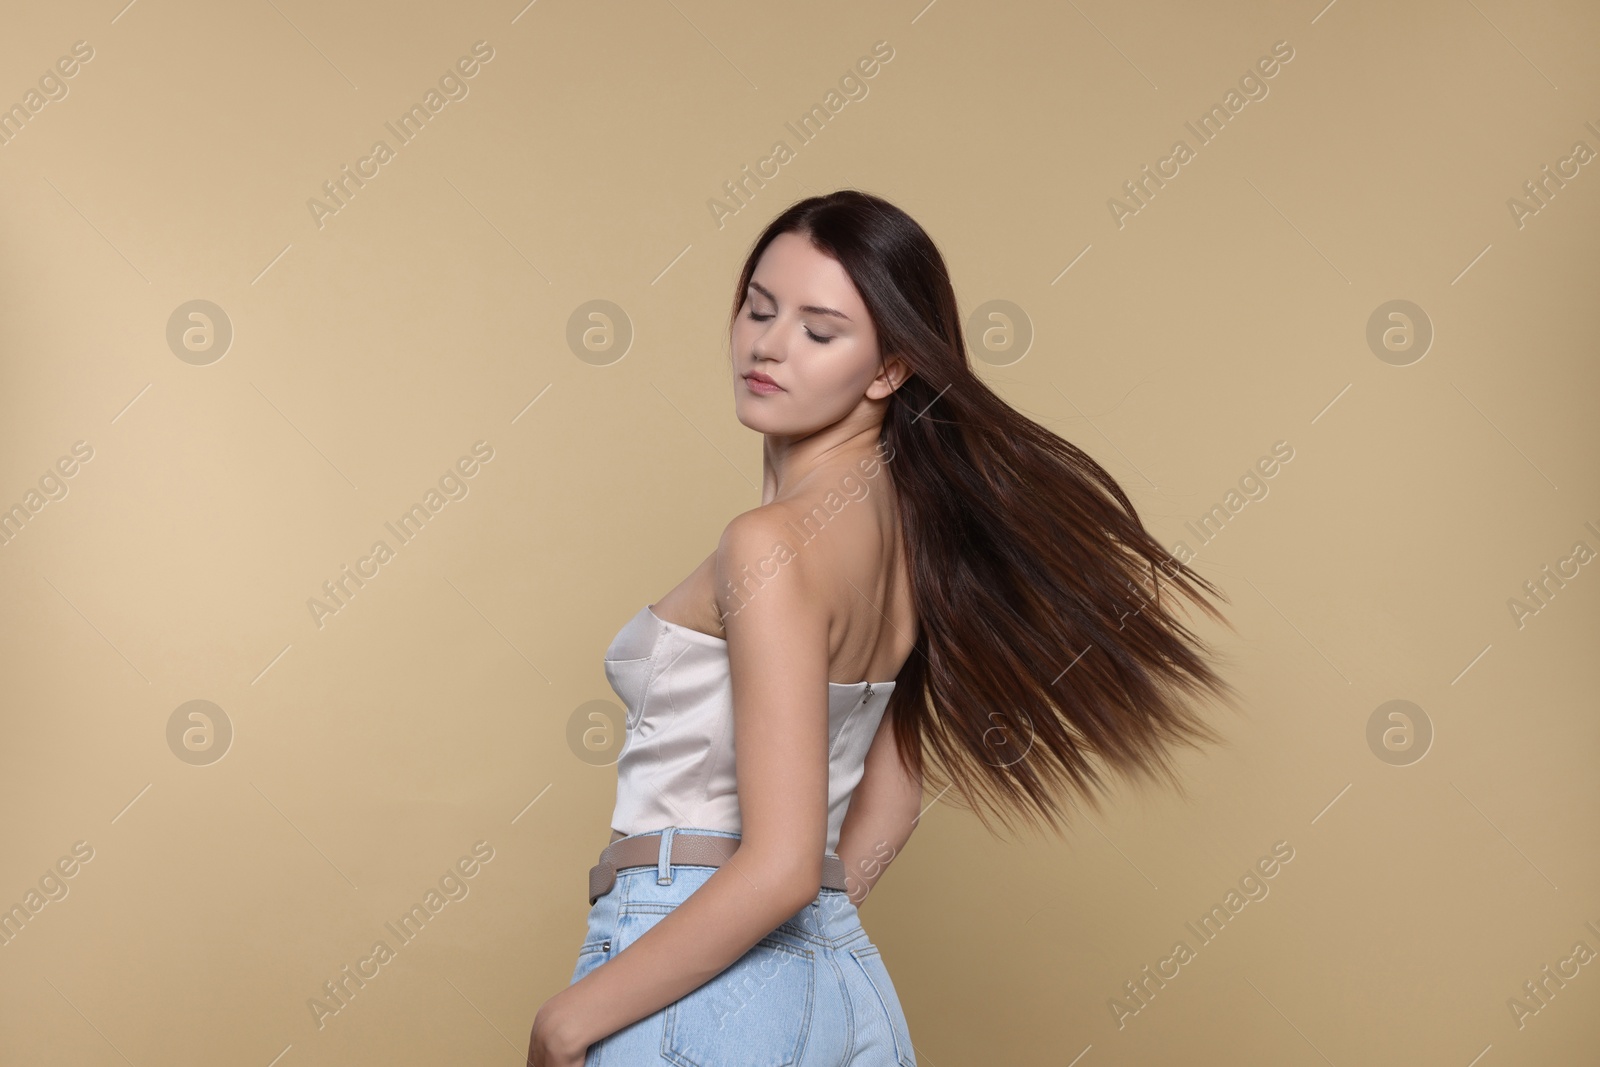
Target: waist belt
(698, 850)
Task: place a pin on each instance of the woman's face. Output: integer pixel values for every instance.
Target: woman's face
(804, 326)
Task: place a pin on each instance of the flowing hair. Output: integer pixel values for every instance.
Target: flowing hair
(1046, 647)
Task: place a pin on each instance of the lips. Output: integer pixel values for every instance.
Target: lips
(757, 376)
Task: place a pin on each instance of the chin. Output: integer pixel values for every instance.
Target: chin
(754, 420)
(754, 417)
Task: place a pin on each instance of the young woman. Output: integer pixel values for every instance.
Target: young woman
(932, 582)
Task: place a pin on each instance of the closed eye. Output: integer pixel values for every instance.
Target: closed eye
(814, 337)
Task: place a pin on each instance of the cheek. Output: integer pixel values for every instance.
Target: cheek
(851, 370)
(838, 375)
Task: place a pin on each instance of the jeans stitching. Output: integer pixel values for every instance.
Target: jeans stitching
(789, 938)
(673, 1054)
(849, 1008)
(906, 1056)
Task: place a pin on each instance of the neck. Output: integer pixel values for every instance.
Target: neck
(788, 462)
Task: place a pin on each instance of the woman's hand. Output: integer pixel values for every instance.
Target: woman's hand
(552, 1043)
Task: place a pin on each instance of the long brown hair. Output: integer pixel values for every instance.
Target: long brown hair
(1046, 646)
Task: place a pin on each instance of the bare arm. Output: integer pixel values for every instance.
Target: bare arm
(778, 656)
(883, 812)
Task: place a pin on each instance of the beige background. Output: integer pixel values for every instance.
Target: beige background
(368, 354)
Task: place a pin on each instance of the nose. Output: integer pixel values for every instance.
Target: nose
(765, 348)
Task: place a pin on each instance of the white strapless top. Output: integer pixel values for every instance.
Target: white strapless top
(676, 767)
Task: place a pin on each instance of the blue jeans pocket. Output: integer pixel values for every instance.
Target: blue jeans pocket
(590, 956)
(756, 1013)
(871, 961)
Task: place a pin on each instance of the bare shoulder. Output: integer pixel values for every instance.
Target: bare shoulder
(757, 529)
(821, 566)
(758, 553)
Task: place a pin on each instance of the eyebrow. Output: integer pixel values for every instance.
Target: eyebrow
(813, 308)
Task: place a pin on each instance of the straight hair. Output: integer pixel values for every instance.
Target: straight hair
(1049, 654)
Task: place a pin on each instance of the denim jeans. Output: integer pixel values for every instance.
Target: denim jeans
(814, 991)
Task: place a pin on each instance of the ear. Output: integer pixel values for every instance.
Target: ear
(892, 374)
